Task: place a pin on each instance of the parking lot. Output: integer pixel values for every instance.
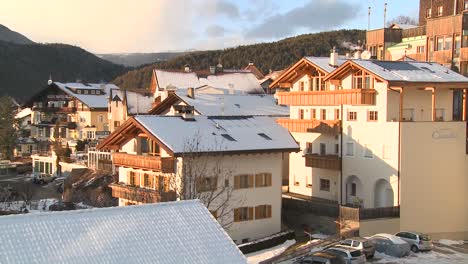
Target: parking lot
(18, 182)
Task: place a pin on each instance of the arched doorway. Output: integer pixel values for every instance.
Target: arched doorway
(383, 194)
(353, 191)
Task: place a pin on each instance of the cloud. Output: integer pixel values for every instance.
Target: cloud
(214, 31)
(313, 16)
(213, 8)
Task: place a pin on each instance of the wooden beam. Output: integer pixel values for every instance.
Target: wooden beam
(433, 108)
(285, 85)
(464, 105)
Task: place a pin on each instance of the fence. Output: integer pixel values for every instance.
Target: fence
(375, 213)
(316, 207)
(99, 160)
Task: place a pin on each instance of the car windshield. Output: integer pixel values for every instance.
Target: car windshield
(366, 244)
(425, 237)
(355, 253)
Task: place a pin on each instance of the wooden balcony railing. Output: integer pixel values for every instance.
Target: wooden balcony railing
(155, 163)
(141, 195)
(335, 97)
(331, 162)
(55, 109)
(331, 127)
(442, 56)
(383, 212)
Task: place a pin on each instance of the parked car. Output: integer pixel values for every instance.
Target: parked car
(417, 241)
(391, 245)
(365, 245)
(351, 255)
(62, 206)
(321, 257)
(41, 178)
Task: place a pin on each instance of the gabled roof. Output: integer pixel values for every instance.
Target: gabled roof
(177, 79)
(321, 64)
(136, 103)
(221, 134)
(402, 72)
(234, 104)
(253, 69)
(170, 232)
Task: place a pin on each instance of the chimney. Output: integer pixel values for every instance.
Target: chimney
(219, 68)
(213, 69)
(334, 58)
(357, 55)
(187, 68)
(191, 93)
(184, 111)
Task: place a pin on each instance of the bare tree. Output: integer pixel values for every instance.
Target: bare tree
(26, 192)
(402, 19)
(205, 175)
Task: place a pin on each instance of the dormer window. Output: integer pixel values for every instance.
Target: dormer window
(85, 91)
(98, 92)
(440, 10)
(78, 91)
(362, 80)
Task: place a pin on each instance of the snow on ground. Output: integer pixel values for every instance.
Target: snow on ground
(431, 257)
(450, 242)
(256, 257)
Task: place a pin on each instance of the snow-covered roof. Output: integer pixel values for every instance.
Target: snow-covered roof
(176, 79)
(219, 134)
(234, 104)
(411, 71)
(137, 103)
(393, 238)
(170, 232)
(324, 62)
(246, 82)
(23, 113)
(91, 100)
(403, 26)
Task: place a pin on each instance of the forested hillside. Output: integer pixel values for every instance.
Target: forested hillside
(275, 55)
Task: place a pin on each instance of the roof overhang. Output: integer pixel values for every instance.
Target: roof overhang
(347, 68)
(299, 68)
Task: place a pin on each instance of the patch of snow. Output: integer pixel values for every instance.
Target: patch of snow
(448, 242)
(431, 257)
(319, 235)
(256, 257)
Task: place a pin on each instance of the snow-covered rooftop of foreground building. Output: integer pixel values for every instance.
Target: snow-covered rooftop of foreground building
(91, 100)
(324, 62)
(411, 71)
(172, 232)
(234, 104)
(219, 134)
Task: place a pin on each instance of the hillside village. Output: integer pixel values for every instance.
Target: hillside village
(358, 156)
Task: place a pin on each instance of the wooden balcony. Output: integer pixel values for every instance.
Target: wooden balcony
(330, 127)
(155, 163)
(442, 56)
(331, 162)
(141, 195)
(335, 97)
(55, 109)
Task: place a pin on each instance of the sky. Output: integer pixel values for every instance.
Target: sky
(124, 26)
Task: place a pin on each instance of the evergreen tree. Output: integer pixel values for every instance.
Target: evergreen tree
(7, 127)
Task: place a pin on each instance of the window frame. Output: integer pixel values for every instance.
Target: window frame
(372, 115)
(352, 115)
(325, 185)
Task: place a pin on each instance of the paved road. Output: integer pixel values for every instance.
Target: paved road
(39, 191)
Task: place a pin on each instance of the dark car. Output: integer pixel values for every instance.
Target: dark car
(62, 206)
(391, 245)
(321, 257)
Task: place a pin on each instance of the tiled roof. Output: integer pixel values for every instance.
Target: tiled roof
(172, 232)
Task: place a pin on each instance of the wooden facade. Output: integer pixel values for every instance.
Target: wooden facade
(448, 9)
(331, 162)
(384, 35)
(331, 127)
(335, 97)
(141, 195)
(154, 163)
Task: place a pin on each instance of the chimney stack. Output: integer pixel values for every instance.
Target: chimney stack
(334, 58)
(191, 93)
(187, 68)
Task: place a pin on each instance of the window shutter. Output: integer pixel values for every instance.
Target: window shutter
(236, 182)
(251, 181)
(166, 183)
(258, 180)
(251, 209)
(214, 184)
(268, 207)
(236, 215)
(257, 212)
(268, 179)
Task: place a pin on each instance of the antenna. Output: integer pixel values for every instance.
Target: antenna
(368, 19)
(385, 15)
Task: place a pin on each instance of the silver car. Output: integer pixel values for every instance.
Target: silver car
(391, 245)
(363, 244)
(417, 241)
(351, 255)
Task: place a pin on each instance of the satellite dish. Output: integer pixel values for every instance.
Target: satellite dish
(366, 55)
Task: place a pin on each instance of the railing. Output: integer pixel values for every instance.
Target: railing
(442, 56)
(156, 163)
(141, 195)
(331, 127)
(331, 162)
(55, 109)
(383, 212)
(335, 97)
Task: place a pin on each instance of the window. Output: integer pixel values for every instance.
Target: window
(420, 49)
(368, 152)
(265, 136)
(337, 114)
(301, 86)
(262, 179)
(429, 12)
(387, 152)
(337, 148)
(323, 149)
(313, 114)
(146, 180)
(440, 10)
(440, 43)
(98, 92)
(457, 44)
(325, 185)
(448, 43)
(132, 178)
(353, 189)
(243, 181)
(116, 124)
(243, 214)
(228, 137)
(90, 134)
(301, 113)
(262, 211)
(372, 116)
(100, 118)
(206, 184)
(362, 80)
(93, 91)
(352, 116)
(85, 91)
(308, 148)
(350, 149)
(323, 114)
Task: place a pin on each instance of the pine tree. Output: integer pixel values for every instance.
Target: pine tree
(7, 127)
